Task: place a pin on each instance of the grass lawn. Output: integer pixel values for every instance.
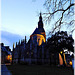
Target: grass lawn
(39, 70)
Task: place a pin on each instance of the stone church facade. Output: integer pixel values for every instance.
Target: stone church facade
(33, 51)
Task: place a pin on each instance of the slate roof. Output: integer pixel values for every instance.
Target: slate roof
(5, 50)
(38, 31)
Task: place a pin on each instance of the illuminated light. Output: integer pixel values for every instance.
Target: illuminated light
(64, 59)
(65, 50)
(60, 59)
(61, 52)
(70, 62)
(40, 38)
(9, 58)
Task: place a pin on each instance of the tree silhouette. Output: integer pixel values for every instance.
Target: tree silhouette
(60, 41)
(60, 13)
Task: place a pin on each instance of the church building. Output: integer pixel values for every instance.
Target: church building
(39, 33)
(34, 50)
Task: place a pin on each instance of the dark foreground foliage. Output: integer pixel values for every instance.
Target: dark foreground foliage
(39, 70)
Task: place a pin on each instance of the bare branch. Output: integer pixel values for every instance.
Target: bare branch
(57, 7)
(60, 9)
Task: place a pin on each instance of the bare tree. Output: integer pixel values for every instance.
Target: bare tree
(60, 14)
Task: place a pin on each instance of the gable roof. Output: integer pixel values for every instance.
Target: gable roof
(38, 31)
(5, 50)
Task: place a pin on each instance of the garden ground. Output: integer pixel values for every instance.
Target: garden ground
(39, 70)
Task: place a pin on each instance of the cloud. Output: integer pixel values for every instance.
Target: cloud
(9, 38)
(6, 41)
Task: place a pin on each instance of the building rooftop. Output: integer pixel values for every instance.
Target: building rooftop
(38, 31)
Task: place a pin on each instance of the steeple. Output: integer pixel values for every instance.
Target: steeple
(25, 40)
(13, 46)
(19, 42)
(40, 23)
(40, 18)
(16, 44)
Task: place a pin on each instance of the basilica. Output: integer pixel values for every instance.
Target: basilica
(33, 51)
(30, 52)
(37, 50)
(39, 34)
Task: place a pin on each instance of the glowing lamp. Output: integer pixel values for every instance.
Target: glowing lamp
(8, 57)
(61, 52)
(70, 62)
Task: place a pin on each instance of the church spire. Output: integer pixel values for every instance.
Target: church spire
(40, 23)
(25, 40)
(19, 42)
(16, 44)
(40, 18)
(13, 46)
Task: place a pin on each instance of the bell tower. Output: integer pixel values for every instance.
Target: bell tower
(40, 23)
(39, 33)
